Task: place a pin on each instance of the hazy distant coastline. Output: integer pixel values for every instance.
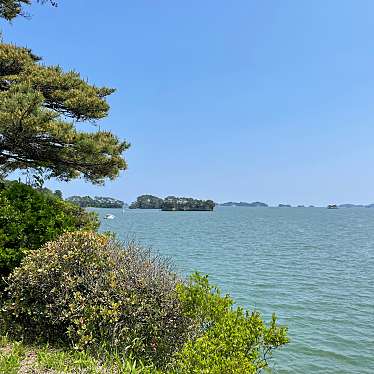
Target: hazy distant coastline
(178, 203)
(258, 204)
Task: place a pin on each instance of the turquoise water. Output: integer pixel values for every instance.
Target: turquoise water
(313, 267)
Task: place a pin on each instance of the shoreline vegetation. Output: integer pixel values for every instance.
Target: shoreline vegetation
(96, 202)
(172, 203)
(73, 300)
(79, 300)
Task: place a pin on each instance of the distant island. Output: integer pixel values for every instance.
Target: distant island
(334, 206)
(172, 203)
(284, 206)
(147, 202)
(96, 202)
(255, 204)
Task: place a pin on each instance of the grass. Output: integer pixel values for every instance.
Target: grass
(66, 361)
(11, 355)
(19, 358)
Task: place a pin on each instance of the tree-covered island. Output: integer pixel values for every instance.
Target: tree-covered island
(147, 202)
(172, 203)
(96, 202)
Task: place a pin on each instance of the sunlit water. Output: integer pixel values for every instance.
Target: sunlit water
(313, 267)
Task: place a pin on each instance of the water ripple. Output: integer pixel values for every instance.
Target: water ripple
(313, 267)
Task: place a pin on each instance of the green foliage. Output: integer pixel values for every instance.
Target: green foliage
(147, 202)
(58, 193)
(19, 357)
(87, 291)
(171, 203)
(10, 9)
(97, 202)
(29, 218)
(186, 203)
(229, 340)
(36, 102)
(202, 301)
(10, 357)
(66, 361)
(90, 291)
(70, 361)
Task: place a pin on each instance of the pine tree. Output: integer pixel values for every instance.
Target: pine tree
(39, 108)
(10, 9)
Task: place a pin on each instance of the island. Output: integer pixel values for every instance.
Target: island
(255, 204)
(172, 203)
(356, 206)
(96, 202)
(284, 206)
(147, 202)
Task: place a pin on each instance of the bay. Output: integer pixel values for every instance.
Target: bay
(313, 267)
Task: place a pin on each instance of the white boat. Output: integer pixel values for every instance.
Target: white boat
(109, 216)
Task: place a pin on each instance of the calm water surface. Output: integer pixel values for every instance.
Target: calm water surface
(313, 267)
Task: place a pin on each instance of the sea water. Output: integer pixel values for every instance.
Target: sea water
(313, 267)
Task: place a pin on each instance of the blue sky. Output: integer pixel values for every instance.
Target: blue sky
(241, 100)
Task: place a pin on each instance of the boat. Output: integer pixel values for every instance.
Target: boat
(109, 216)
(332, 206)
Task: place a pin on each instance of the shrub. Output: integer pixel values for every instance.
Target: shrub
(88, 290)
(91, 292)
(230, 340)
(29, 218)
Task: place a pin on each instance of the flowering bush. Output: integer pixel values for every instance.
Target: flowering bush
(88, 290)
(91, 292)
